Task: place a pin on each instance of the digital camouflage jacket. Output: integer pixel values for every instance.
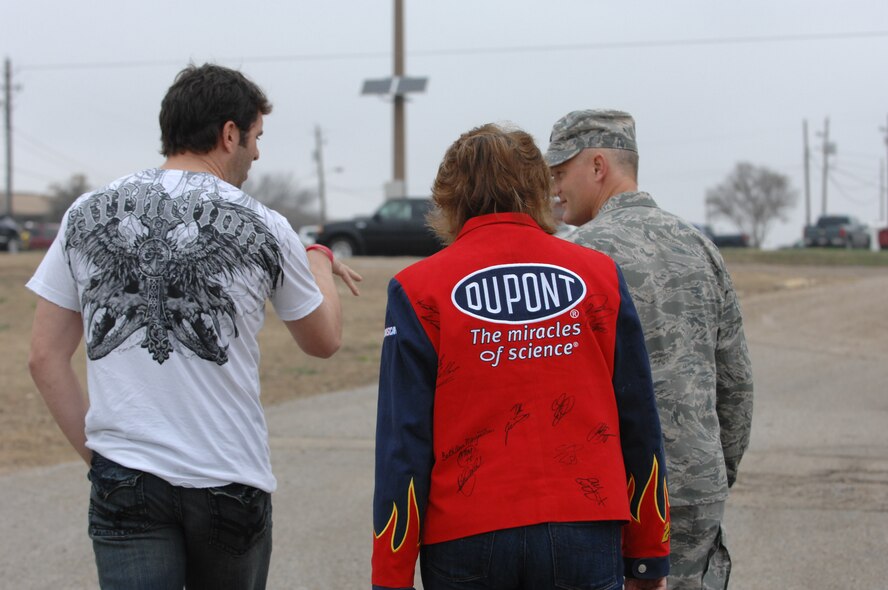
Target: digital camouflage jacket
(694, 335)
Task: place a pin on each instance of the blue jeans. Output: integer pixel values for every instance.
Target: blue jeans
(150, 535)
(568, 556)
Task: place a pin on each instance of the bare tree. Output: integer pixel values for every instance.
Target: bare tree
(283, 194)
(65, 193)
(753, 198)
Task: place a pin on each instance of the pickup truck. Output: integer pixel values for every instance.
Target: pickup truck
(397, 228)
(842, 231)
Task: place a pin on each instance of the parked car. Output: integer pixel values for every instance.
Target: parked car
(40, 234)
(843, 231)
(10, 235)
(731, 240)
(740, 240)
(883, 238)
(397, 228)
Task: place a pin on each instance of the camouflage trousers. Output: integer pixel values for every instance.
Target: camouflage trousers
(698, 559)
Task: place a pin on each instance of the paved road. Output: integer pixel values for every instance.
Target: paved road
(810, 509)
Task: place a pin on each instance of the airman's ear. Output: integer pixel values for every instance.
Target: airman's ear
(600, 165)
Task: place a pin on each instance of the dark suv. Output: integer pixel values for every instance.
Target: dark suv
(10, 235)
(397, 228)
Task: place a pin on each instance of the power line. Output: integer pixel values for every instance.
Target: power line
(38, 147)
(860, 181)
(606, 45)
(662, 43)
(38, 175)
(816, 166)
(856, 165)
(847, 197)
(749, 134)
(860, 155)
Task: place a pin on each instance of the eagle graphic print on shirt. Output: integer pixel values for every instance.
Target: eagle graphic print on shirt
(160, 269)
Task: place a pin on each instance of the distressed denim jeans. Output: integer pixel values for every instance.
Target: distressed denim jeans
(150, 535)
(548, 556)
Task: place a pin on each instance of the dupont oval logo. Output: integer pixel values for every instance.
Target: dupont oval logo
(518, 293)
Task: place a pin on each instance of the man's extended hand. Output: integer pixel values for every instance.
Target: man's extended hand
(639, 584)
(348, 276)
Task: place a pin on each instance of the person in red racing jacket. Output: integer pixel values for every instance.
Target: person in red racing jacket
(517, 443)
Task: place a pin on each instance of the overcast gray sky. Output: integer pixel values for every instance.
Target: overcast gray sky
(709, 83)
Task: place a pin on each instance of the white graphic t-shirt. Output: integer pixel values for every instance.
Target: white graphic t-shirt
(171, 271)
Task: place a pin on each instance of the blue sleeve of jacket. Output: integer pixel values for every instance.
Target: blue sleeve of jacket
(404, 451)
(646, 536)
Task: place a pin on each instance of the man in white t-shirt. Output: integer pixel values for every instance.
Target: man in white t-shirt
(165, 274)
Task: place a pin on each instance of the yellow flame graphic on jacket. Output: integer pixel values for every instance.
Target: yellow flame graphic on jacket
(649, 510)
(392, 556)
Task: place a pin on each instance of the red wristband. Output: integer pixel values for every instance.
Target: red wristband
(323, 249)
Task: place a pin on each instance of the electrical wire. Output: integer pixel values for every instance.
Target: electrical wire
(849, 175)
(605, 45)
(841, 189)
(39, 148)
(34, 175)
(861, 155)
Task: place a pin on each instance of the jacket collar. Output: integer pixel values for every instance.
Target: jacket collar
(497, 218)
(628, 199)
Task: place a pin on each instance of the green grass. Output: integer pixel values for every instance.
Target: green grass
(808, 256)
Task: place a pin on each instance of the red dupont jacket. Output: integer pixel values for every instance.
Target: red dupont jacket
(514, 389)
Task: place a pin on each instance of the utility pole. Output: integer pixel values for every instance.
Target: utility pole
(319, 159)
(7, 107)
(397, 86)
(399, 174)
(883, 196)
(825, 164)
(807, 159)
(885, 129)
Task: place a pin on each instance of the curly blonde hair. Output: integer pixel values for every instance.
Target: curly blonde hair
(490, 169)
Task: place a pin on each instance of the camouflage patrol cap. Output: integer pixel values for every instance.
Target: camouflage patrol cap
(579, 130)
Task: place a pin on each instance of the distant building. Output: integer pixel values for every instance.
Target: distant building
(29, 207)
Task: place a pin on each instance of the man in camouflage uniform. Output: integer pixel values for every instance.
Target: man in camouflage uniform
(692, 324)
